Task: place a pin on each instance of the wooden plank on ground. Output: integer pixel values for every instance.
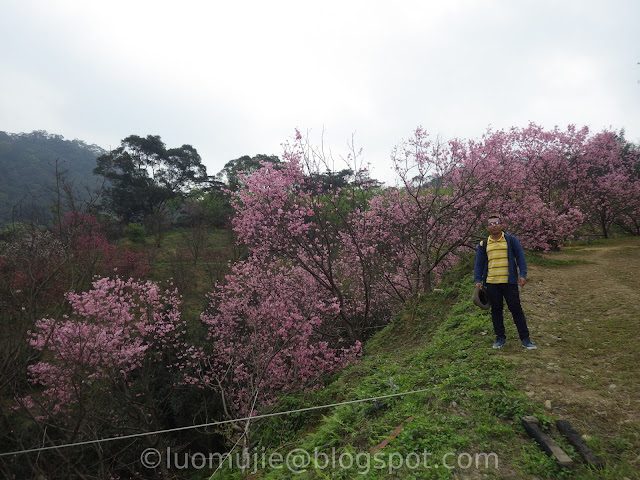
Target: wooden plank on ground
(574, 438)
(551, 448)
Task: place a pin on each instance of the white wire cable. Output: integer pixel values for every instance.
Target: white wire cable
(228, 454)
(222, 422)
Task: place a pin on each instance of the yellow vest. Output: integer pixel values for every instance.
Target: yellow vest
(498, 260)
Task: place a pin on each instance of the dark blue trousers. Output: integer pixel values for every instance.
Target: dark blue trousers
(498, 293)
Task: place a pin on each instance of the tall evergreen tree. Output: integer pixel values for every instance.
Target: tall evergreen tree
(143, 175)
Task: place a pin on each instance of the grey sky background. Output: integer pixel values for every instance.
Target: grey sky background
(236, 78)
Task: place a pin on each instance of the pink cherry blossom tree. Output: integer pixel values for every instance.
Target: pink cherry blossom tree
(264, 338)
(284, 214)
(435, 209)
(610, 191)
(535, 181)
(99, 367)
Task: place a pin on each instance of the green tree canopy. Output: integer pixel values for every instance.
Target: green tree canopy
(143, 174)
(230, 174)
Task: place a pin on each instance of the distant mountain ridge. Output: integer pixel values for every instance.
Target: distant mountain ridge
(28, 168)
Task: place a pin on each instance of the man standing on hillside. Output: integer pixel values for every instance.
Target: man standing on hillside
(498, 260)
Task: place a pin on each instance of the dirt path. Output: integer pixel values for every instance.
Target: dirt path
(585, 319)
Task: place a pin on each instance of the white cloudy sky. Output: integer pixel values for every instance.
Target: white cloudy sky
(237, 77)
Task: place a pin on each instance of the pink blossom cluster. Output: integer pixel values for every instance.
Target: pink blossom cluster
(371, 250)
(112, 329)
(265, 336)
(551, 185)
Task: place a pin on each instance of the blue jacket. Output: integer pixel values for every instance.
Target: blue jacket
(515, 256)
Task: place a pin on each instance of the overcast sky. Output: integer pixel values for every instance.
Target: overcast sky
(236, 78)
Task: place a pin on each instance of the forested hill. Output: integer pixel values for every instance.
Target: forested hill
(28, 169)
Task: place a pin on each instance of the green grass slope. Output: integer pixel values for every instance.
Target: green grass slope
(466, 422)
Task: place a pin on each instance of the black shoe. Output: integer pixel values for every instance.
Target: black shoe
(526, 343)
(500, 342)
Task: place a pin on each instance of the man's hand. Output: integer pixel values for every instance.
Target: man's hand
(522, 281)
(478, 285)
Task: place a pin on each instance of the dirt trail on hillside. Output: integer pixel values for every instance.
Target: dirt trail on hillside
(585, 320)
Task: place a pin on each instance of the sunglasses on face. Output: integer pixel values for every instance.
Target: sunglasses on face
(493, 224)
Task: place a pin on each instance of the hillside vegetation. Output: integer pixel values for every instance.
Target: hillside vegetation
(582, 310)
(28, 170)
